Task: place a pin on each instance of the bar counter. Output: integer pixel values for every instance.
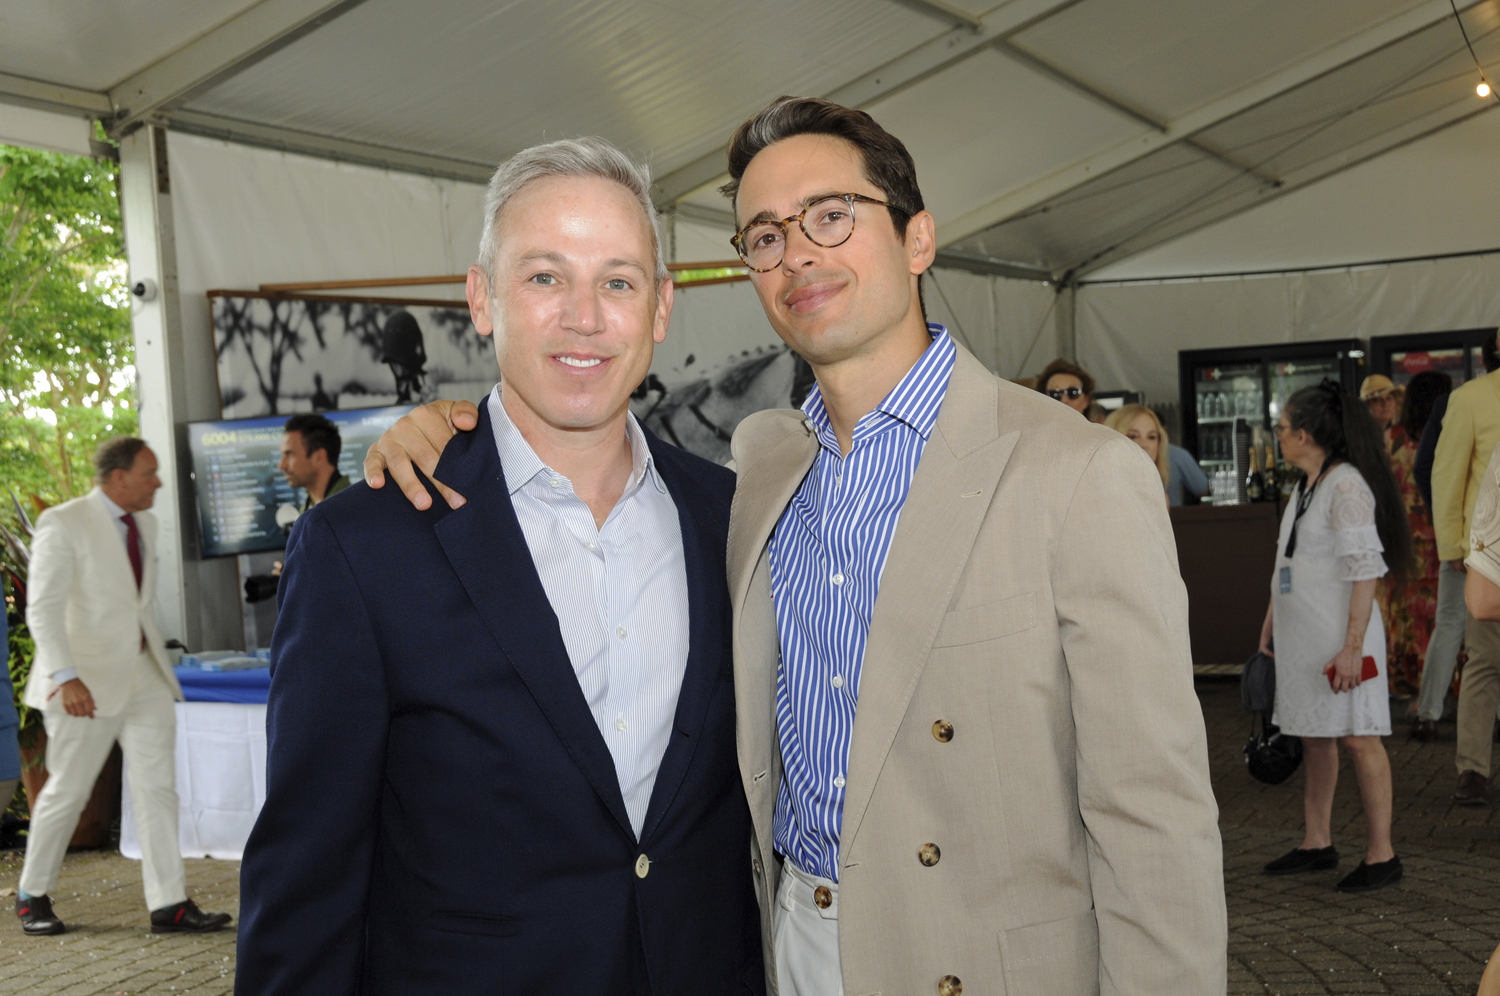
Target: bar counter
(1226, 554)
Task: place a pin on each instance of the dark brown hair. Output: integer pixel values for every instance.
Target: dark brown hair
(115, 454)
(318, 433)
(1422, 392)
(1342, 427)
(886, 162)
(1062, 366)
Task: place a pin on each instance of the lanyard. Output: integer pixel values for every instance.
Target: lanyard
(1304, 501)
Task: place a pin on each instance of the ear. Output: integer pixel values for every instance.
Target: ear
(663, 310)
(921, 242)
(477, 289)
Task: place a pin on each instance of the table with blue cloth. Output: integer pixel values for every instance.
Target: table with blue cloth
(221, 763)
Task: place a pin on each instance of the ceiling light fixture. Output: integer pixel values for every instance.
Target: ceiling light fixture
(1483, 89)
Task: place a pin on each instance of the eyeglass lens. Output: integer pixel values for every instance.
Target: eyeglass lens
(1072, 392)
(827, 223)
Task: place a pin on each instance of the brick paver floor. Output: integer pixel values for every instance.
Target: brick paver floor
(1432, 933)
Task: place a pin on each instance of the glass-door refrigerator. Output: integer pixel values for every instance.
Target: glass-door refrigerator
(1459, 354)
(1228, 393)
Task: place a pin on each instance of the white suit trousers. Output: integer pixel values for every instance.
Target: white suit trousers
(807, 935)
(77, 748)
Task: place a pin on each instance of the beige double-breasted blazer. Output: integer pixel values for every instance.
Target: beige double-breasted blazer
(1026, 703)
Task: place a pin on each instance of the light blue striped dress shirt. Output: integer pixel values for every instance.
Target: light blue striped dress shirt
(827, 554)
(619, 593)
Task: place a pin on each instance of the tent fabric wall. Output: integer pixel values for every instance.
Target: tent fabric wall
(1129, 334)
(1010, 325)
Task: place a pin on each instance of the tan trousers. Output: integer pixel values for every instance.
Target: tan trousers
(77, 748)
(1478, 696)
(806, 936)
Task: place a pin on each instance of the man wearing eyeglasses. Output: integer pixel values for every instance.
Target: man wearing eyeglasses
(966, 720)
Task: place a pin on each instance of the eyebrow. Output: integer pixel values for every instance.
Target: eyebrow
(557, 259)
(808, 201)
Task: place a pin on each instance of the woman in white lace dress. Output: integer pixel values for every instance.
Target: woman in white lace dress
(1344, 528)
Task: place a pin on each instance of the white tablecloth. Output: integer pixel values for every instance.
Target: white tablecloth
(221, 780)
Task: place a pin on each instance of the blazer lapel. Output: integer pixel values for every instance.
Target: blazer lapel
(763, 491)
(708, 658)
(113, 547)
(484, 543)
(950, 494)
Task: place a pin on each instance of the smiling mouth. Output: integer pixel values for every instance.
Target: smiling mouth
(574, 361)
(811, 296)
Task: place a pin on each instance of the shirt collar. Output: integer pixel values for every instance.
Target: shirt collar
(115, 511)
(521, 464)
(914, 401)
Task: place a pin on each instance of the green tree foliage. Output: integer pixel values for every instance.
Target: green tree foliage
(67, 379)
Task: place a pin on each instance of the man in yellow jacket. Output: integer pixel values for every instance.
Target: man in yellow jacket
(1471, 429)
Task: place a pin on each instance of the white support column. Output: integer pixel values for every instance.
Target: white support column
(161, 383)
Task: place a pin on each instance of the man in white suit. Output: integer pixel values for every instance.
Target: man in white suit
(101, 675)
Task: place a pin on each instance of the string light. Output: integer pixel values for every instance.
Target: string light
(1483, 89)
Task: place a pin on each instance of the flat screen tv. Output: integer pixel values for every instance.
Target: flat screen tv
(244, 503)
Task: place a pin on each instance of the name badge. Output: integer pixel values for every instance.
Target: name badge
(1286, 580)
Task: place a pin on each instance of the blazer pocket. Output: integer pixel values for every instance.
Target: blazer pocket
(486, 924)
(990, 621)
(1059, 958)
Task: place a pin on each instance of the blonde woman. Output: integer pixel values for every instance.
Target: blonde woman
(1140, 424)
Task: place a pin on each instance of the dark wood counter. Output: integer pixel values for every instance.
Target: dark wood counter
(1226, 554)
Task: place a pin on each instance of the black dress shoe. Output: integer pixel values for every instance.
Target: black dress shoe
(187, 918)
(1299, 860)
(1471, 789)
(1367, 876)
(37, 918)
(1424, 731)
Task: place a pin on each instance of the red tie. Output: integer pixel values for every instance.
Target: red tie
(133, 546)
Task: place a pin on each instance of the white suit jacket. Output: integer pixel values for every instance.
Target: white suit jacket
(83, 607)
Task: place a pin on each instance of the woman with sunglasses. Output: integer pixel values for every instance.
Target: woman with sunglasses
(1344, 528)
(1068, 383)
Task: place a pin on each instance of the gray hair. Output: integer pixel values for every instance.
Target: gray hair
(569, 157)
(115, 454)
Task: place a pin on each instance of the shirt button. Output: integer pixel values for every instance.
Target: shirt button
(838, 579)
(555, 482)
(838, 782)
(642, 866)
(621, 725)
(838, 681)
(620, 632)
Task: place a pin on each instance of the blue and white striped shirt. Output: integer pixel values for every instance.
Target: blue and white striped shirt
(827, 554)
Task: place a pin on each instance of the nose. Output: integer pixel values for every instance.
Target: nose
(582, 314)
(800, 250)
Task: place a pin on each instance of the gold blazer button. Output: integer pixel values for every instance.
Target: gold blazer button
(1478, 546)
(942, 731)
(823, 897)
(949, 985)
(929, 854)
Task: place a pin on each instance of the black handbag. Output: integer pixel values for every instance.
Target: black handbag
(1270, 755)
(1258, 684)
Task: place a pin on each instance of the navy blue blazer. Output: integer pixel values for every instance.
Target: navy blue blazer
(442, 814)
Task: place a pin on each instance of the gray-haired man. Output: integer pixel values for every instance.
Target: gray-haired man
(513, 720)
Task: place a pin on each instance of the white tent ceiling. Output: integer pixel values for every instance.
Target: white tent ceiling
(1053, 137)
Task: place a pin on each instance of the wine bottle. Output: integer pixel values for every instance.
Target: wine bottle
(1269, 474)
(1255, 485)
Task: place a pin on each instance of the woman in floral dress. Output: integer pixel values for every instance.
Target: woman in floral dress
(1409, 612)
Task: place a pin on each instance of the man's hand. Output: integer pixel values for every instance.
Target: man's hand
(418, 438)
(1266, 632)
(77, 701)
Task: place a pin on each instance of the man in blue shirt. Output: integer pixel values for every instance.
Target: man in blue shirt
(966, 722)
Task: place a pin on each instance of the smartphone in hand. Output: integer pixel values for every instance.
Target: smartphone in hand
(1368, 669)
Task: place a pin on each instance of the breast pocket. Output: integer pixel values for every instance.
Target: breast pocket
(990, 621)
